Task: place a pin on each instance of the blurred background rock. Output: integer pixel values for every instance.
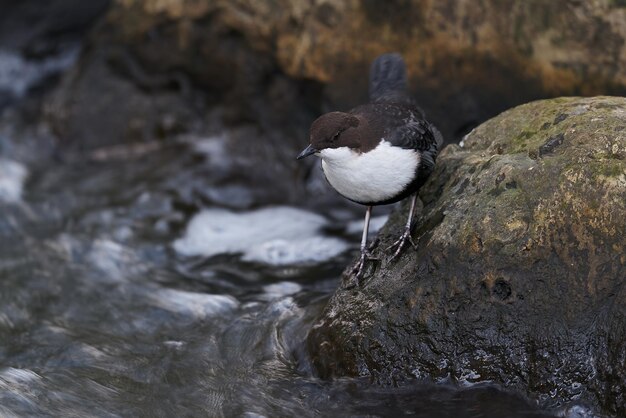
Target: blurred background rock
(153, 68)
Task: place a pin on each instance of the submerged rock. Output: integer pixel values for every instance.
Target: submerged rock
(519, 276)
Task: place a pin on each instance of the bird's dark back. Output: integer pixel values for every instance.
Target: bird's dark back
(393, 114)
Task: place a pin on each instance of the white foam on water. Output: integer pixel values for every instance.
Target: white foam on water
(196, 305)
(215, 149)
(253, 415)
(297, 250)
(282, 308)
(17, 75)
(12, 178)
(177, 345)
(114, 261)
(277, 290)
(577, 411)
(376, 222)
(17, 387)
(12, 375)
(276, 236)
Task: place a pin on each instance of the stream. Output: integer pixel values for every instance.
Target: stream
(128, 289)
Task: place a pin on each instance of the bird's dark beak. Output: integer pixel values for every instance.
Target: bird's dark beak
(307, 151)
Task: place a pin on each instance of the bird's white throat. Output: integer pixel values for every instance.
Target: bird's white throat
(369, 177)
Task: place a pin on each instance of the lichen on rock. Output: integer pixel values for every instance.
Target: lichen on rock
(520, 271)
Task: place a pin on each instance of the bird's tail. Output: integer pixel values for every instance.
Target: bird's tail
(438, 137)
(388, 81)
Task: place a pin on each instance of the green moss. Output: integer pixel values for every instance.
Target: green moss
(525, 135)
(520, 142)
(609, 168)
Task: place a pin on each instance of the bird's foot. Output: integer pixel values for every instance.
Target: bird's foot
(356, 273)
(372, 245)
(401, 242)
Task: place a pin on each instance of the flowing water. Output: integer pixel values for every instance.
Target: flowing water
(128, 289)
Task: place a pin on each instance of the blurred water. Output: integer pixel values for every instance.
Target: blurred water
(128, 289)
(12, 178)
(18, 74)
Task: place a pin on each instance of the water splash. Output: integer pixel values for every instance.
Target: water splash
(12, 178)
(276, 236)
(17, 74)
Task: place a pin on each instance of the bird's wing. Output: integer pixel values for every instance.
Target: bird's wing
(421, 136)
(418, 134)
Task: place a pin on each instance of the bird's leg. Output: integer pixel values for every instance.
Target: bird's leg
(357, 270)
(406, 235)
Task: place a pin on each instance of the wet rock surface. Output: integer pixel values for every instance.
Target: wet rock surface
(519, 276)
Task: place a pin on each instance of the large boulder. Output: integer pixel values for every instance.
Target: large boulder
(153, 66)
(519, 276)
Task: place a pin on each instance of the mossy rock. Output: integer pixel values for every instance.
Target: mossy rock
(520, 271)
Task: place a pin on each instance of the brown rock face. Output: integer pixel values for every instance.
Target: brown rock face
(280, 63)
(520, 273)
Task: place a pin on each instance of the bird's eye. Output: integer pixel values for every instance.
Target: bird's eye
(336, 136)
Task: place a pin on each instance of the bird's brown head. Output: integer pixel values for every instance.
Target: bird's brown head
(333, 130)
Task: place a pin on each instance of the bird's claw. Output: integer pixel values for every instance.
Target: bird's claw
(370, 247)
(356, 273)
(400, 242)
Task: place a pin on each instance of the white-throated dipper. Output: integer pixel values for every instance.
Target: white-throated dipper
(380, 152)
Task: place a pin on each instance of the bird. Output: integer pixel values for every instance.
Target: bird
(380, 152)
